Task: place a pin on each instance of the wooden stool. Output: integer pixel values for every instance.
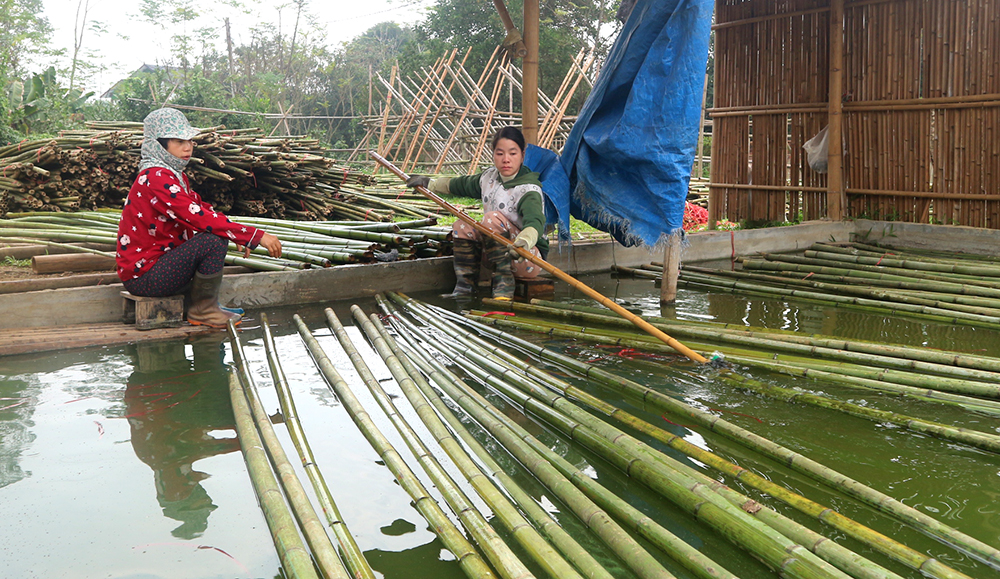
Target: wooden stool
(528, 289)
(151, 313)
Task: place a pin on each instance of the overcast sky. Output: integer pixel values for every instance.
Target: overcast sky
(128, 41)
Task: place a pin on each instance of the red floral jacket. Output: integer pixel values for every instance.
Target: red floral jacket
(160, 214)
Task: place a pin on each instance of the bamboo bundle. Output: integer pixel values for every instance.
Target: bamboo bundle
(884, 544)
(240, 172)
(451, 537)
(798, 462)
(305, 244)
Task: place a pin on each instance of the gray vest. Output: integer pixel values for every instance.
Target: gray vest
(498, 198)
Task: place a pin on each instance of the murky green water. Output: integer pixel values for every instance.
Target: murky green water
(122, 462)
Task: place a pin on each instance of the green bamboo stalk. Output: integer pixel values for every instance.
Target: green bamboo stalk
(979, 271)
(874, 539)
(922, 312)
(868, 292)
(317, 539)
(468, 559)
(814, 470)
(633, 458)
(854, 352)
(350, 552)
(407, 376)
(562, 540)
(881, 543)
(941, 357)
(295, 559)
(843, 373)
(534, 456)
(899, 272)
(503, 559)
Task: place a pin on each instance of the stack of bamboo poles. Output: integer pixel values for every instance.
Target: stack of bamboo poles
(239, 171)
(305, 244)
(425, 352)
(924, 285)
(445, 117)
(755, 527)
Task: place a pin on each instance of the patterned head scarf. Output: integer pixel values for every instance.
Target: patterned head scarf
(164, 124)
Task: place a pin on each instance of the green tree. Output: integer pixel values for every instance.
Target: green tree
(23, 31)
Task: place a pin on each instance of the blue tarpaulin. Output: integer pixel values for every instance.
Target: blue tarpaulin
(555, 186)
(629, 155)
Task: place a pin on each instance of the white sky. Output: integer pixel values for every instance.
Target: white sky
(129, 41)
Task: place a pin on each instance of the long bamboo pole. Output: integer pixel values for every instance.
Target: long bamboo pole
(503, 559)
(882, 543)
(351, 553)
(803, 464)
(563, 276)
(319, 542)
(536, 457)
(295, 559)
(407, 377)
(451, 537)
(563, 541)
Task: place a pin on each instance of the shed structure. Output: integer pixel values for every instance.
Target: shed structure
(910, 90)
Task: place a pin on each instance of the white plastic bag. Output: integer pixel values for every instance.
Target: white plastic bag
(817, 151)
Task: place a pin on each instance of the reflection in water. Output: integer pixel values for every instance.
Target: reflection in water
(16, 407)
(175, 407)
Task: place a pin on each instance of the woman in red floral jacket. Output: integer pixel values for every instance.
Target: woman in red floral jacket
(168, 238)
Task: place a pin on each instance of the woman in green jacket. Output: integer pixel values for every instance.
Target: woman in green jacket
(512, 208)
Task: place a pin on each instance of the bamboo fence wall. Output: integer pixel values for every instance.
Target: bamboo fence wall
(920, 96)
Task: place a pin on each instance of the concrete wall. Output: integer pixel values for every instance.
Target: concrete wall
(260, 290)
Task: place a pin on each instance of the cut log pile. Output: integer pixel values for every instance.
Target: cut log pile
(240, 171)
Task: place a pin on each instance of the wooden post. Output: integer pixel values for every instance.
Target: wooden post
(529, 74)
(671, 268)
(700, 173)
(836, 199)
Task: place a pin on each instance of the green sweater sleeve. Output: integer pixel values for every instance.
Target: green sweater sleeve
(532, 214)
(465, 186)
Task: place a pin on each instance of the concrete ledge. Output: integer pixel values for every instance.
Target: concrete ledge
(102, 303)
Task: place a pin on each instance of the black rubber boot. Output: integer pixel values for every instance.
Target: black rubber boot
(205, 308)
(503, 276)
(467, 256)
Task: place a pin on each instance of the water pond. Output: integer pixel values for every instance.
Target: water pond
(123, 462)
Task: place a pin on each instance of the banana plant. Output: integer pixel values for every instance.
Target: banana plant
(37, 100)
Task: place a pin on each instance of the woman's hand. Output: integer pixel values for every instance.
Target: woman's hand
(272, 244)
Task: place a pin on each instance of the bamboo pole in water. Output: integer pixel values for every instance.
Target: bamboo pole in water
(295, 560)
(567, 545)
(886, 545)
(843, 373)
(587, 290)
(694, 561)
(503, 559)
(533, 456)
(351, 553)
(644, 464)
(319, 542)
(451, 537)
(407, 377)
(813, 469)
